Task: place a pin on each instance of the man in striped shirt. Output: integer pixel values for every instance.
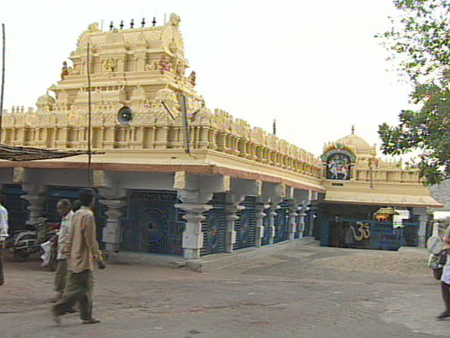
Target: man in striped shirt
(3, 236)
(64, 209)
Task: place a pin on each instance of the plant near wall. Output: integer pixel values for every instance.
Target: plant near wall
(419, 40)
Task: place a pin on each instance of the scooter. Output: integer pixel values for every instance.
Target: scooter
(28, 242)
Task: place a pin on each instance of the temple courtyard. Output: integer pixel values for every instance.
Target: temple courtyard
(293, 291)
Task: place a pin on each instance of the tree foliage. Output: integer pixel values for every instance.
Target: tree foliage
(420, 41)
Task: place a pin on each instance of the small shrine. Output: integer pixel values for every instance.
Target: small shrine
(365, 192)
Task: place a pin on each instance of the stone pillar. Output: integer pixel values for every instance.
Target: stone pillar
(35, 196)
(314, 215)
(260, 214)
(194, 204)
(293, 207)
(114, 200)
(301, 223)
(422, 213)
(302, 198)
(195, 192)
(231, 208)
(275, 193)
(140, 61)
(161, 137)
(271, 227)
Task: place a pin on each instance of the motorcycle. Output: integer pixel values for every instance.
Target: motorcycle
(28, 242)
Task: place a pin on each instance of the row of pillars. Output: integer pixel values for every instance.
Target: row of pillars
(195, 195)
(195, 192)
(195, 214)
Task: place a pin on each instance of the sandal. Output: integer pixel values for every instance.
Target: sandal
(91, 321)
(444, 314)
(72, 310)
(56, 318)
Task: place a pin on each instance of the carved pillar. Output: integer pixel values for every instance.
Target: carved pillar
(35, 196)
(231, 208)
(260, 214)
(62, 138)
(114, 200)
(422, 213)
(293, 207)
(275, 193)
(204, 140)
(161, 137)
(302, 214)
(194, 204)
(195, 192)
(271, 227)
(140, 61)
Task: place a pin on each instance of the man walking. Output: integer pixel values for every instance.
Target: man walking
(64, 210)
(3, 236)
(82, 251)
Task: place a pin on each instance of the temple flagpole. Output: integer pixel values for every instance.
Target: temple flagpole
(88, 69)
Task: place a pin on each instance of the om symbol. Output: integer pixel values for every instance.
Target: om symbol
(363, 231)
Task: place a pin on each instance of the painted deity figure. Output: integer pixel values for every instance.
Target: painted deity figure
(164, 65)
(338, 167)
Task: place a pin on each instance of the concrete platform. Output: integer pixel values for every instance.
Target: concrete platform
(210, 262)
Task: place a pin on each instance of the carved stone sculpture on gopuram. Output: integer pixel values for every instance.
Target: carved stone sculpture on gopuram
(143, 69)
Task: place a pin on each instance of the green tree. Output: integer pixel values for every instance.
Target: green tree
(420, 42)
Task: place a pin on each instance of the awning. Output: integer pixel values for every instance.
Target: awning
(11, 153)
(346, 197)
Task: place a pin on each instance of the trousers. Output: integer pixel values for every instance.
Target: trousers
(61, 276)
(78, 289)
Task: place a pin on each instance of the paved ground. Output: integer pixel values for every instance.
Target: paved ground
(304, 292)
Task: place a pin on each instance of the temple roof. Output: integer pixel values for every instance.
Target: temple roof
(354, 143)
(354, 140)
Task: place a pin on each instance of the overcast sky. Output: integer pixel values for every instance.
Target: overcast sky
(313, 65)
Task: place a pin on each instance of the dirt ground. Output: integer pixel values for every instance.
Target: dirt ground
(308, 291)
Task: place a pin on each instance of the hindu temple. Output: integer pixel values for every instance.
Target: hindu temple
(175, 177)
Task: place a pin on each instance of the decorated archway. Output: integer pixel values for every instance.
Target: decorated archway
(338, 163)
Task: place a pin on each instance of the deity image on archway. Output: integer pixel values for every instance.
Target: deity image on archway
(338, 167)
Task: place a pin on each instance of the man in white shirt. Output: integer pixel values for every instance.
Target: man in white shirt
(64, 209)
(3, 236)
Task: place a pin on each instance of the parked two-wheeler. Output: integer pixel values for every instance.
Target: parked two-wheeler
(27, 242)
